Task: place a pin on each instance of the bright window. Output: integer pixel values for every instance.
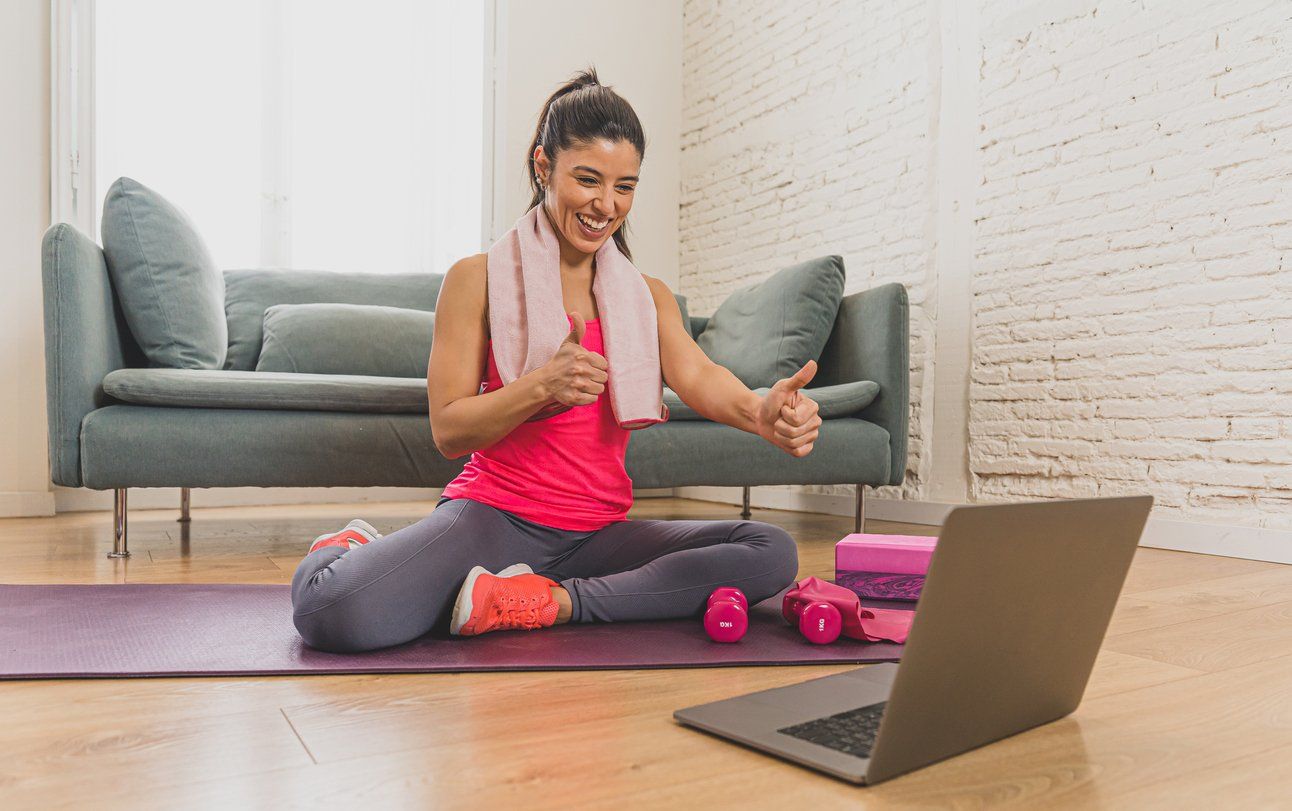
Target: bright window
(340, 135)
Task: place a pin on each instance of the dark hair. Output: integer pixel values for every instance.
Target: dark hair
(580, 112)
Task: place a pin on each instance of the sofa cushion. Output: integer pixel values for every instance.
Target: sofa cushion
(248, 293)
(840, 400)
(218, 388)
(171, 293)
(767, 331)
(346, 339)
(143, 446)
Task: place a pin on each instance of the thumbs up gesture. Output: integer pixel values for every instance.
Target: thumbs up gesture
(577, 328)
(787, 417)
(576, 375)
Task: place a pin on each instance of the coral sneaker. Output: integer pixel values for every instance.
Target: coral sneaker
(497, 602)
(356, 533)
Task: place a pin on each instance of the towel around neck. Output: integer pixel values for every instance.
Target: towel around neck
(528, 322)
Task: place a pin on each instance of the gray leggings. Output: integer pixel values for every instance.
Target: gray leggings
(404, 584)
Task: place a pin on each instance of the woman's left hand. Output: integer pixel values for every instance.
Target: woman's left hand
(787, 417)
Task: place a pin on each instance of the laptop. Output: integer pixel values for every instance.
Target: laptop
(1015, 606)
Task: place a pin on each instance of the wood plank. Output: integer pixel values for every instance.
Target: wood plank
(1227, 594)
(1215, 643)
(1134, 614)
(1120, 672)
(1160, 568)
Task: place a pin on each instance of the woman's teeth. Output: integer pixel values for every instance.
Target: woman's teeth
(590, 225)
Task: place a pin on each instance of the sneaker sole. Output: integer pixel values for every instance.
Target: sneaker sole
(462, 606)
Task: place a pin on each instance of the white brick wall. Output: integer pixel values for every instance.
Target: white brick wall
(1132, 314)
(1132, 317)
(805, 132)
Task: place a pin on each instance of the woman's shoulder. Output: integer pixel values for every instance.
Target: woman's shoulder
(473, 266)
(466, 286)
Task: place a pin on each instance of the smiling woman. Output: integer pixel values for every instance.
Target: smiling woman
(544, 499)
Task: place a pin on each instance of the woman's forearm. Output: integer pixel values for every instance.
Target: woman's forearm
(471, 423)
(721, 397)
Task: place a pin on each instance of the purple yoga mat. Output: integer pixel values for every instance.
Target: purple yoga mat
(88, 631)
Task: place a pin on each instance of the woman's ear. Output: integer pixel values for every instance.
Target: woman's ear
(541, 167)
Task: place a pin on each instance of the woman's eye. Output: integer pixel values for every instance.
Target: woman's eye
(626, 188)
(589, 179)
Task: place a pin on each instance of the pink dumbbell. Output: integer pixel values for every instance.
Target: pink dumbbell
(727, 617)
(821, 623)
(817, 620)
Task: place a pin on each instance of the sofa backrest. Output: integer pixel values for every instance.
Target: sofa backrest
(248, 293)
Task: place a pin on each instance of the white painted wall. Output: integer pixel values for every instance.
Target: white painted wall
(24, 216)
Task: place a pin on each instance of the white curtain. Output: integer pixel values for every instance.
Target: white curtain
(340, 135)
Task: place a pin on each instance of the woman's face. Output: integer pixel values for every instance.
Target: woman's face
(591, 185)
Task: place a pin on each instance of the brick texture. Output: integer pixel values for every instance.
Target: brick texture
(1132, 316)
(805, 132)
(1132, 313)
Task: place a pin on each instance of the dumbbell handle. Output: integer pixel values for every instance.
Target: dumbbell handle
(724, 593)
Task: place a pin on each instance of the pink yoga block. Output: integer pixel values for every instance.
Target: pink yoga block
(883, 567)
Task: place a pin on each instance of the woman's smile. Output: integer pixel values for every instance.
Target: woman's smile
(587, 223)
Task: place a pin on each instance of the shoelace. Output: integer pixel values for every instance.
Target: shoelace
(523, 616)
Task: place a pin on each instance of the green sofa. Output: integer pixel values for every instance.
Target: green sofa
(115, 424)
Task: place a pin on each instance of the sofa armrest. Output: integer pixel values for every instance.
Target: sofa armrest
(871, 341)
(85, 338)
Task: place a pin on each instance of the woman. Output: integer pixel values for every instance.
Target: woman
(543, 502)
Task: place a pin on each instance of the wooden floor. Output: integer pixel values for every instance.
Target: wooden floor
(1190, 704)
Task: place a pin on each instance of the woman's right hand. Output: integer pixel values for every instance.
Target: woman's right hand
(576, 375)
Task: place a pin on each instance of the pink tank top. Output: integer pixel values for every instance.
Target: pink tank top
(565, 471)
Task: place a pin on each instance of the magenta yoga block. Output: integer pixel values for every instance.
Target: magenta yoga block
(883, 567)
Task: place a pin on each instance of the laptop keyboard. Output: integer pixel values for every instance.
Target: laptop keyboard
(850, 731)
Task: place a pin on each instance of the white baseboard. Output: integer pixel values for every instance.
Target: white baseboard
(26, 503)
(1252, 543)
(74, 499)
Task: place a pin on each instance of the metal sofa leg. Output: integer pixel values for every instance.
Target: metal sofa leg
(744, 513)
(183, 506)
(119, 525)
(861, 508)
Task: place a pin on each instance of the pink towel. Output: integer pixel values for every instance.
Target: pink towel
(528, 321)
